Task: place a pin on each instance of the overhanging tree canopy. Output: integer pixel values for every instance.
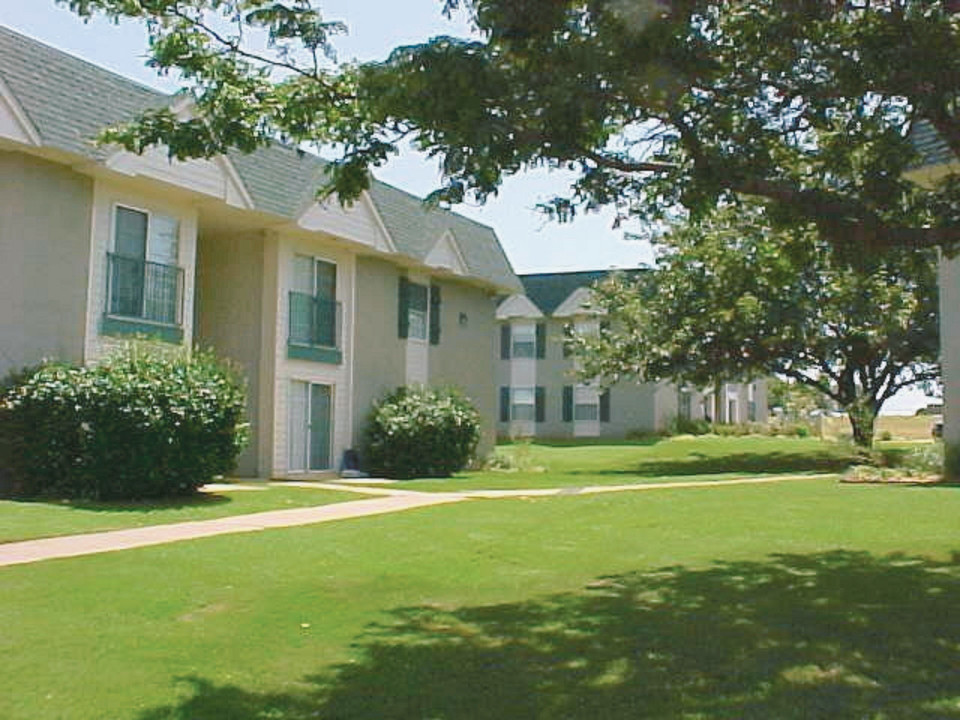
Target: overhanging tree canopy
(806, 104)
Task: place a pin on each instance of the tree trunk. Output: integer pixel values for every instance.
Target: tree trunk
(862, 420)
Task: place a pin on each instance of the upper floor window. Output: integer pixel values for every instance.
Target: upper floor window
(419, 311)
(523, 340)
(314, 310)
(144, 280)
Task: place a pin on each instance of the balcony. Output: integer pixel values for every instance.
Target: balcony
(314, 329)
(143, 297)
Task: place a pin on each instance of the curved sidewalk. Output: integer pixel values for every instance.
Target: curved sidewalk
(384, 501)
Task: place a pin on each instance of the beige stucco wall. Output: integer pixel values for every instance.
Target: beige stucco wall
(44, 256)
(465, 355)
(950, 357)
(228, 317)
(379, 358)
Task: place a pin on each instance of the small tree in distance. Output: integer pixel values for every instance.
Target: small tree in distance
(731, 297)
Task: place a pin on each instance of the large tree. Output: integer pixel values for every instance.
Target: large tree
(807, 104)
(731, 297)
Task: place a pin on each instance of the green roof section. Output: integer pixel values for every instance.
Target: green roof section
(548, 290)
(69, 101)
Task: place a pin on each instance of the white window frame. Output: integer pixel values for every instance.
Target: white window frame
(314, 260)
(586, 404)
(150, 215)
(525, 408)
(418, 321)
(523, 341)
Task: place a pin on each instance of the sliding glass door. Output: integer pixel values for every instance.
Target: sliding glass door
(311, 418)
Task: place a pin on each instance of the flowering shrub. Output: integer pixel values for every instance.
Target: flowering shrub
(421, 432)
(142, 424)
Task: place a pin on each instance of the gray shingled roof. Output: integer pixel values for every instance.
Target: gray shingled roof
(416, 227)
(930, 146)
(69, 101)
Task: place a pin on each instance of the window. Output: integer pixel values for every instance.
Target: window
(314, 310)
(586, 411)
(524, 341)
(419, 311)
(523, 404)
(143, 279)
(586, 404)
(685, 405)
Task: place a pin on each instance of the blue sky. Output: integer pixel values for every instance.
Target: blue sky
(376, 26)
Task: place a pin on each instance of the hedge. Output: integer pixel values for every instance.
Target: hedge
(421, 432)
(144, 423)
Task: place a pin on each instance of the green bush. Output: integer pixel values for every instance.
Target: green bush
(143, 423)
(687, 426)
(421, 432)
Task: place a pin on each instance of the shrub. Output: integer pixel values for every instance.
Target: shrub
(421, 432)
(143, 423)
(687, 426)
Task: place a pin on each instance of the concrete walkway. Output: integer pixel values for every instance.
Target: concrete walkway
(28, 551)
(384, 500)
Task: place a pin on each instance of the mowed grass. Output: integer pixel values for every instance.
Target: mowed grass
(798, 600)
(20, 520)
(678, 459)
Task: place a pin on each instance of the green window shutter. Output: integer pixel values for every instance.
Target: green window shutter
(568, 403)
(403, 309)
(540, 398)
(434, 315)
(504, 342)
(605, 406)
(541, 340)
(504, 404)
(567, 335)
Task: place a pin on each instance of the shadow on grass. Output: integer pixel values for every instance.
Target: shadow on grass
(696, 463)
(144, 506)
(829, 635)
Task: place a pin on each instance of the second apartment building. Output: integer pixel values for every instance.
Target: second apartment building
(539, 394)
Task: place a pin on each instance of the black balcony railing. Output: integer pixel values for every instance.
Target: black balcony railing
(314, 321)
(144, 290)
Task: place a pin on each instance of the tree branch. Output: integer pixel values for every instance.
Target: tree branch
(234, 47)
(627, 166)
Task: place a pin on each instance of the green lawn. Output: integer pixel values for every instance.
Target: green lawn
(565, 464)
(807, 599)
(29, 520)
